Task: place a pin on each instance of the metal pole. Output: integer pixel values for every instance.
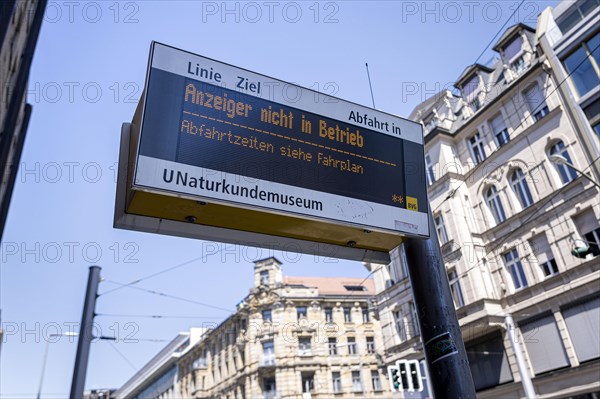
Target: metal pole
(447, 361)
(85, 334)
(39, 394)
(525, 378)
(370, 86)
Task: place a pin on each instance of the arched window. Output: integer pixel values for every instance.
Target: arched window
(520, 187)
(492, 197)
(566, 173)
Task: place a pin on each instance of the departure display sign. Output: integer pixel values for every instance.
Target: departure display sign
(217, 133)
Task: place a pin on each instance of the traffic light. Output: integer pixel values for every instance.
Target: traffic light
(394, 376)
(408, 374)
(404, 380)
(415, 375)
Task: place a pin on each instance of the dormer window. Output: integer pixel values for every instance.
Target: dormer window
(518, 67)
(471, 89)
(430, 122)
(264, 277)
(513, 50)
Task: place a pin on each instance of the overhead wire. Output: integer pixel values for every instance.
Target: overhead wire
(170, 296)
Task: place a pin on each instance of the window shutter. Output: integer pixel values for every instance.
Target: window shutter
(498, 124)
(586, 221)
(544, 344)
(541, 248)
(583, 323)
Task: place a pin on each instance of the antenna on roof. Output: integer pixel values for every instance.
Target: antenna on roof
(370, 86)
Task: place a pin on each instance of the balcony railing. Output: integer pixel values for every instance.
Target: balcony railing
(267, 361)
(199, 364)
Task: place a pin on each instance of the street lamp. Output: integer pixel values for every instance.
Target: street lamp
(67, 334)
(560, 160)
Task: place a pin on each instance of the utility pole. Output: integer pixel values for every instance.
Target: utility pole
(85, 334)
(521, 365)
(449, 372)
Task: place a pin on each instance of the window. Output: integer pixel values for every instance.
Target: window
(355, 288)
(365, 315)
(540, 248)
(475, 104)
(589, 229)
(513, 264)
(536, 102)
(356, 382)
(440, 229)
(492, 197)
(518, 66)
(544, 344)
(304, 346)
(200, 362)
(583, 323)
(393, 278)
(351, 346)
(267, 315)
(370, 345)
(376, 380)
(415, 320)
(430, 122)
(593, 240)
(268, 353)
(471, 89)
(328, 315)
(332, 346)
(399, 322)
(347, 315)
(264, 277)
(270, 389)
(583, 65)
(520, 187)
(580, 10)
(488, 362)
(566, 173)
(301, 312)
(337, 381)
(430, 173)
(476, 148)
(550, 268)
(455, 289)
(308, 382)
(513, 49)
(500, 131)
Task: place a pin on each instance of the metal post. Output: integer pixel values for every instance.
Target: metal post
(85, 334)
(525, 378)
(39, 394)
(447, 361)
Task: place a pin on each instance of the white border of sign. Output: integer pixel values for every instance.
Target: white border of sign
(148, 174)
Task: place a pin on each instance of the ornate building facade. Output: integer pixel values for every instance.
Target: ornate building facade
(509, 211)
(291, 337)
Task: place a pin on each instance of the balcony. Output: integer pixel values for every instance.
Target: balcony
(267, 361)
(305, 352)
(199, 364)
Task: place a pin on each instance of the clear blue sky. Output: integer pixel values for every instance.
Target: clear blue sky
(86, 78)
